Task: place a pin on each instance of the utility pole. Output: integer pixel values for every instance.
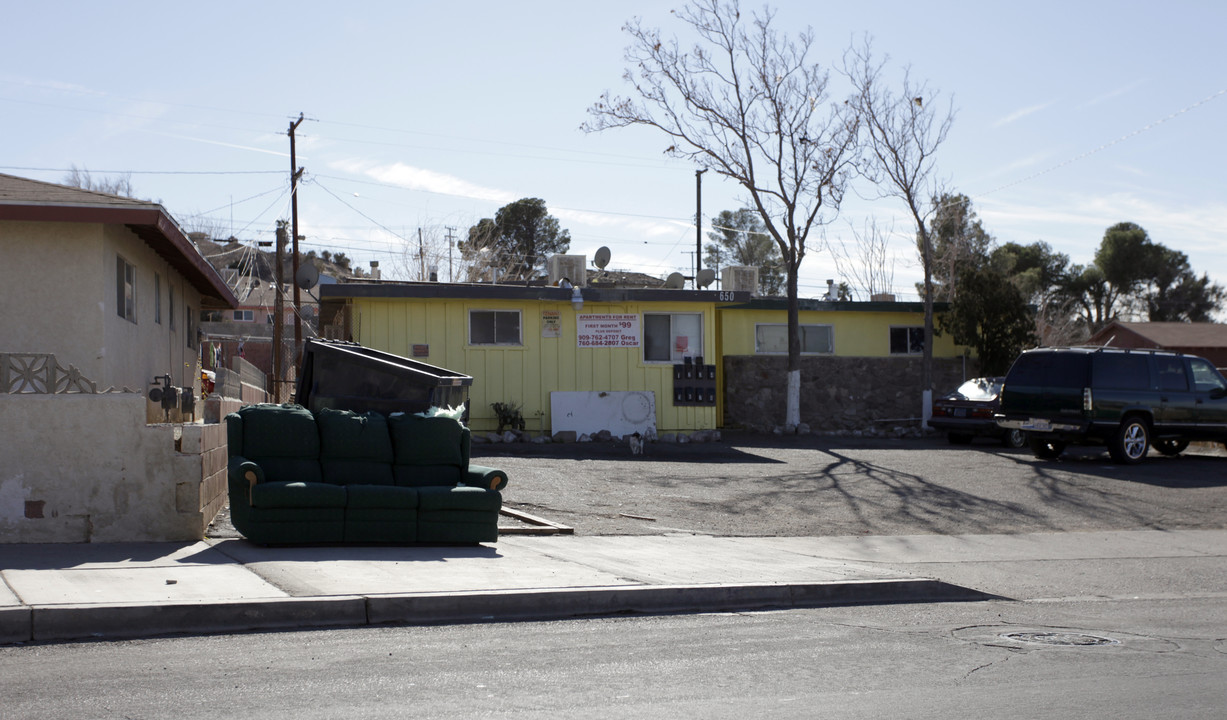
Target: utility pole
(450, 237)
(698, 225)
(295, 174)
(278, 314)
(421, 257)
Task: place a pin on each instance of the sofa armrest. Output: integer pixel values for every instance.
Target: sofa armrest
(243, 471)
(485, 477)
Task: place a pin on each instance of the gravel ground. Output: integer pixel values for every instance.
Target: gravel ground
(755, 485)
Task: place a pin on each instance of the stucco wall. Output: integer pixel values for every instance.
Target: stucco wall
(837, 393)
(86, 468)
(59, 283)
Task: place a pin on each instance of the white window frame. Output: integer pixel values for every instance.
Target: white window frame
(830, 329)
(694, 345)
(244, 315)
(910, 329)
(519, 341)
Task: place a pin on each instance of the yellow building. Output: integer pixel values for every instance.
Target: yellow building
(687, 356)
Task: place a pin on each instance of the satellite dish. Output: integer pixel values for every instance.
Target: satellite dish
(307, 277)
(675, 281)
(601, 259)
(706, 277)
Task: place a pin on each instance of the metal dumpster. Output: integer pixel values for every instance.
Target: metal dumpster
(347, 376)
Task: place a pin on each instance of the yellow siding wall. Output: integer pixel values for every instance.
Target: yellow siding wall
(527, 374)
(856, 333)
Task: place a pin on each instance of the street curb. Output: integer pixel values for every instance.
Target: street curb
(99, 622)
(60, 623)
(15, 625)
(422, 608)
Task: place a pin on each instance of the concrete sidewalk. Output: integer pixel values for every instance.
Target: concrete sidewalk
(65, 592)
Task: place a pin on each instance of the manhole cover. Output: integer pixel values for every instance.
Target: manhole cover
(1040, 637)
(1059, 638)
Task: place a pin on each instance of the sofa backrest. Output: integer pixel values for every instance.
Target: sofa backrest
(428, 451)
(282, 439)
(354, 448)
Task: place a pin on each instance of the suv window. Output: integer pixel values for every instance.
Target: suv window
(1171, 373)
(1205, 378)
(1049, 369)
(1121, 371)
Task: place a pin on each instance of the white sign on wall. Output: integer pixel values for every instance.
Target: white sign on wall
(607, 330)
(621, 413)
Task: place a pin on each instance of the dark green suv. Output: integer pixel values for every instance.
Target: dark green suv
(1128, 400)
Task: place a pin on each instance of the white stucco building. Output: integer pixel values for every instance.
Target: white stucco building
(97, 293)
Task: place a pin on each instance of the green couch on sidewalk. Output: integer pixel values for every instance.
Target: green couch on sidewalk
(337, 476)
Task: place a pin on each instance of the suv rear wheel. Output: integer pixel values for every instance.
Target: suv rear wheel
(1131, 441)
(1045, 449)
(1171, 447)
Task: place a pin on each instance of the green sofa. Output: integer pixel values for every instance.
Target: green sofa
(341, 477)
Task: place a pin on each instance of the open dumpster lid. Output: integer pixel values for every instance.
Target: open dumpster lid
(347, 376)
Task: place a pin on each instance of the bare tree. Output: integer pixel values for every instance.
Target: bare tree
(747, 103)
(904, 130)
(118, 185)
(424, 256)
(868, 261)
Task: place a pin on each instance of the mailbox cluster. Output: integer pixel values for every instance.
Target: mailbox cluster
(694, 383)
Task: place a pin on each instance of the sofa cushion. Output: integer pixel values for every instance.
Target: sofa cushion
(297, 495)
(382, 496)
(354, 448)
(433, 499)
(346, 435)
(418, 476)
(279, 431)
(283, 440)
(418, 440)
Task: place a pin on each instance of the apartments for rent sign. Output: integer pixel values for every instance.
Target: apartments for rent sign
(607, 330)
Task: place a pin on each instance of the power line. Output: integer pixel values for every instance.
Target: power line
(149, 172)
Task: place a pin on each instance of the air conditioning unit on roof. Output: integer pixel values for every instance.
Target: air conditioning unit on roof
(571, 267)
(739, 278)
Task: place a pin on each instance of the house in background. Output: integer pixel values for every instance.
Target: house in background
(102, 296)
(667, 360)
(246, 330)
(108, 284)
(1209, 340)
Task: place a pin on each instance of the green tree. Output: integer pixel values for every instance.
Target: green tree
(1133, 276)
(1042, 275)
(989, 314)
(1174, 293)
(748, 103)
(516, 242)
(741, 239)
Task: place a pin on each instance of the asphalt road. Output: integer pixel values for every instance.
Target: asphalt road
(1115, 658)
(753, 485)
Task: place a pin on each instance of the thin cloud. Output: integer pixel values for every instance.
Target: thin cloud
(414, 178)
(218, 142)
(1113, 94)
(1020, 114)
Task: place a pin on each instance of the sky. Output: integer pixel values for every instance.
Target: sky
(419, 119)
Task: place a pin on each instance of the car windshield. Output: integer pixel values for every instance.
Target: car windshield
(980, 389)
